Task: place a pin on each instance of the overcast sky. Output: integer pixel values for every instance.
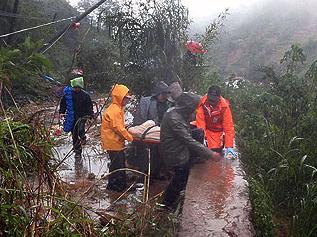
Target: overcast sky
(202, 9)
(199, 9)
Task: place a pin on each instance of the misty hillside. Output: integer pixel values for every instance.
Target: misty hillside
(263, 35)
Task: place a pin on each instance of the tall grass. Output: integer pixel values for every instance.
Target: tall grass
(32, 199)
(36, 202)
(276, 122)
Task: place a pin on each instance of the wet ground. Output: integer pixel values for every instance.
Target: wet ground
(95, 162)
(86, 182)
(216, 201)
(216, 197)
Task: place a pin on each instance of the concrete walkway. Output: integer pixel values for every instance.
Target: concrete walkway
(216, 201)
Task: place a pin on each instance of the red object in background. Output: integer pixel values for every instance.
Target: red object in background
(78, 71)
(195, 47)
(76, 25)
(57, 132)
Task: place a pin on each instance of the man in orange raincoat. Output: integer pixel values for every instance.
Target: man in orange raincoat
(113, 136)
(214, 117)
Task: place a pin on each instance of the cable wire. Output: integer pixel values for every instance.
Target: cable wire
(36, 27)
(56, 40)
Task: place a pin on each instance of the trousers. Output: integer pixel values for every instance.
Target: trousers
(78, 132)
(117, 181)
(176, 185)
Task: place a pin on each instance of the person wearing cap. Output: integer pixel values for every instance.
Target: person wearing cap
(150, 108)
(75, 107)
(178, 144)
(153, 107)
(214, 117)
(113, 136)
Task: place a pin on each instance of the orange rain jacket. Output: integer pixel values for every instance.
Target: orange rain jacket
(113, 131)
(216, 122)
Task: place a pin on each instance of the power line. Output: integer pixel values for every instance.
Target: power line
(56, 40)
(36, 27)
(61, 34)
(77, 19)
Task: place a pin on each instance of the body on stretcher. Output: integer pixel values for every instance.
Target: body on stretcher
(147, 132)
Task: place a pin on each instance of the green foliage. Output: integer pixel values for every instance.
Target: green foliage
(135, 44)
(210, 79)
(13, 220)
(212, 31)
(32, 13)
(196, 75)
(100, 61)
(292, 57)
(147, 46)
(304, 219)
(261, 209)
(22, 62)
(276, 120)
(19, 146)
(32, 199)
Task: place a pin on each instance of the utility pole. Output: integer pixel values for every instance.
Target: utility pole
(77, 19)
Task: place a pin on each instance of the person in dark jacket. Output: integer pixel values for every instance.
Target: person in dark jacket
(197, 133)
(153, 107)
(150, 108)
(178, 144)
(81, 108)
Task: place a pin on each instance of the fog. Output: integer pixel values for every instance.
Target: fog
(261, 33)
(246, 11)
(202, 11)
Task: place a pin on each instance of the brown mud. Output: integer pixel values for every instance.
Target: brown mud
(216, 201)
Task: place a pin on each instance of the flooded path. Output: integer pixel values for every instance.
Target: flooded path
(87, 184)
(216, 201)
(94, 162)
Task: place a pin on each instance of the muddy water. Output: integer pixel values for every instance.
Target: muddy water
(95, 162)
(88, 176)
(216, 201)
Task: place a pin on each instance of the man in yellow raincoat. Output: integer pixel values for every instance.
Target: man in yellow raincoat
(113, 136)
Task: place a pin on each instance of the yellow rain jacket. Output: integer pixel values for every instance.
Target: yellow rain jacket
(113, 131)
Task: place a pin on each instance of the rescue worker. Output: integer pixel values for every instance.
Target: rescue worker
(113, 136)
(75, 107)
(177, 145)
(150, 108)
(214, 117)
(153, 107)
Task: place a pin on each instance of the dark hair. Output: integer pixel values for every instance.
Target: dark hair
(214, 90)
